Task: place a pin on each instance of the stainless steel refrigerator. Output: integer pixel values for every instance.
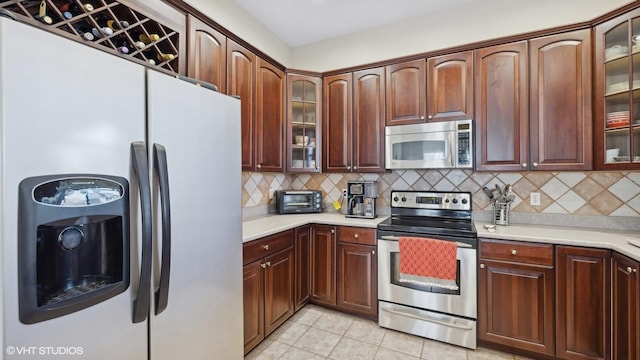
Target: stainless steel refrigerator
(120, 207)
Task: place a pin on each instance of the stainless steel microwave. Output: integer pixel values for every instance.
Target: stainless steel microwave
(438, 145)
(298, 201)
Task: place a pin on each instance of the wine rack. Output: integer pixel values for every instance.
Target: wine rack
(113, 25)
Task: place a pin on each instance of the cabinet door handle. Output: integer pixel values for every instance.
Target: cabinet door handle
(263, 265)
(535, 164)
(259, 166)
(268, 263)
(430, 116)
(355, 236)
(373, 252)
(333, 231)
(524, 165)
(266, 247)
(422, 117)
(481, 266)
(631, 270)
(355, 168)
(348, 167)
(514, 252)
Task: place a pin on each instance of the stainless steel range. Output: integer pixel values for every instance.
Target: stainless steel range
(432, 312)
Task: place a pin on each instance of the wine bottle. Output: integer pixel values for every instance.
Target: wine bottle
(149, 55)
(66, 10)
(165, 57)
(85, 32)
(122, 45)
(87, 7)
(147, 39)
(104, 26)
(42, 13)
(114, 24)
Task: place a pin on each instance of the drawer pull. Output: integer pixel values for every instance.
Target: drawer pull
(481, 266)
(266, 247)
(514, 252)
(355, 235)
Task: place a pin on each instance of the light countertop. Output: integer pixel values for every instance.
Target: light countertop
(609, 239)
(271, 224)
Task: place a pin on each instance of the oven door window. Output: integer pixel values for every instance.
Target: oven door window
(297, 201)
(395, 278)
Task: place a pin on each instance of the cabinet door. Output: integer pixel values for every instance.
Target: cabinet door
(502, 107)
(270, 120)
(207, 54)
(626, 308)
(617, 93)
(560, 106)
(368, 120)
(337, 113)
(278, 289)
(406, 87)
(515, 306)
(241, 76)
(323, 264)
(357, 279)
(450, 87)
(253, 295)
(303, 123)
(303, 266)
(583, 322)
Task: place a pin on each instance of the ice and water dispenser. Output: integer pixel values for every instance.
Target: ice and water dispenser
(73, 243)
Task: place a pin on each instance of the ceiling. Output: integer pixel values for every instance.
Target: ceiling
(302, 22)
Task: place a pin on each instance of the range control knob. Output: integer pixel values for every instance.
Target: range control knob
(464, 201)
(404, 199)
(446, 201)
(395, 199)
(455, 201)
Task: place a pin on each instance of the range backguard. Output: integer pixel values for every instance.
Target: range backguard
(73, 243)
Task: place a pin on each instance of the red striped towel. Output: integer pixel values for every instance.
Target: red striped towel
(428, 262)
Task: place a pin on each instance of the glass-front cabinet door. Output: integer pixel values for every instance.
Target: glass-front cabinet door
(617, 116)
(304, 94)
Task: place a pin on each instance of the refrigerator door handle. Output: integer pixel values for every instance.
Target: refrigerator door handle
(141, 169)
(161, 169)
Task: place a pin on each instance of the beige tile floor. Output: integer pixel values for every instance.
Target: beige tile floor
(316, 333)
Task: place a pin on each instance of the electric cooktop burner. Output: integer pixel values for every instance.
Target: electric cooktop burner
(433, 212)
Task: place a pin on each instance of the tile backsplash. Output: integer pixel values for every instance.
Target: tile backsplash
(580, 194)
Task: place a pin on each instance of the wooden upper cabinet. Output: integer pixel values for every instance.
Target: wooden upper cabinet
(270, 119)
(337, 112)
(560, 103)
(450, 87)
(502, 107)
(207, 54)
(241, 81)
(405, 93)
(368, 120)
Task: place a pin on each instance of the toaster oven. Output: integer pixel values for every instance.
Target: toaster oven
(298, 201)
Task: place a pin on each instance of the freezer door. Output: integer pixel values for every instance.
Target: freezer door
(199, 132)
(66, 109)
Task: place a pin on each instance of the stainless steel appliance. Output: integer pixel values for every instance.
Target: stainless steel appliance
(444, 144)
(298, 201)
(431, 312)
(361, 199)
(121, 215)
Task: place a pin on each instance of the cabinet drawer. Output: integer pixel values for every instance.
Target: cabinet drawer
(514, 251)
(357, 235)
(266, 246)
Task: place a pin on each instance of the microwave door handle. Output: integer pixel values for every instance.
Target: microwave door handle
(453, 159)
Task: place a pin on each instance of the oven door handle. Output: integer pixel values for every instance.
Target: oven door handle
(395, 238)
(427, 318)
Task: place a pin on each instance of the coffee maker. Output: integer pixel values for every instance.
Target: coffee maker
(361, 199)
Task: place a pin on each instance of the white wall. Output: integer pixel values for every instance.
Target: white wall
(236, 20)
(481, 20)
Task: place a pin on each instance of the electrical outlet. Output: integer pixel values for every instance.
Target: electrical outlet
(271, 191)
(344, 192)
(534, 198)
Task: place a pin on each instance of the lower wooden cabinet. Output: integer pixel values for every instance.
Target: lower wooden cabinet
(357, 271)
(516, 295)
(626, 307)
(583, 301)
(344, 271)
(303, 266)
(268, 286)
